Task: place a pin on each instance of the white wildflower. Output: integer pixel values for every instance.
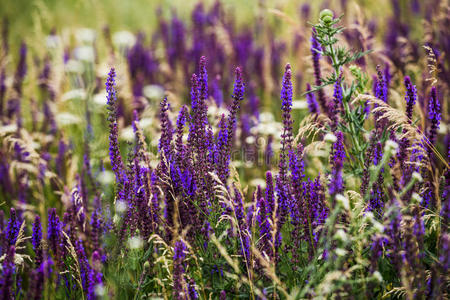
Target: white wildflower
(330, 138)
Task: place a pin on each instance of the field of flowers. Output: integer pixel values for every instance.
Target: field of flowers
(224, 149)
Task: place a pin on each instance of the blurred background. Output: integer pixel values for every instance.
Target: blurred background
(155, 47)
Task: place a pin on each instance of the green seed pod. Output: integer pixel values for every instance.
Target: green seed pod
(326, 16)
(147, 266)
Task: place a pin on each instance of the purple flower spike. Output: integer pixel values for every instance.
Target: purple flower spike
(181, 121)
(178, 270)
(411, 96)
(221, 150)
(12, 229)
(266, 206)
(338, 156)
(286, 136)
(315, 51)
(203, 79)
(114, 150)
(8, 270)
(165, 142)
(336, 108)
(36, 239)
(238, 96)
(434, 115)
(53, 231)
(311, 99)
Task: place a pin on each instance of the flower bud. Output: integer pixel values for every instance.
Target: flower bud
(330, 138)
(416, 176)
(378, 276)
(416, 197)
(343, 201)
(146, 266)
(391, 147)
(326, 16)
(340, 235)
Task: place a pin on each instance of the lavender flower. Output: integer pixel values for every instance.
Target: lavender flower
(179, 147)
(434, 115)
(192, 292)
(243, 226)
(85, 269)
(36, 239)
(296, 165)
(12, 229)
(315, 51)
(311, 99)
(178, 269)
(266, 206)
(221, 154)
(381, 90)
(7, 278)
(286, 136)
(114, 150)
(217, 91)
(96, 230)
(165, 141)
(411, 96)
(238, 96)
(53, 231)
(2, 88)
(394, 234)
(336, 107)
(336, 185)
(444, 258)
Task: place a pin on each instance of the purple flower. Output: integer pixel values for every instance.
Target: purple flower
(217, 91)
(179, 147)
(12, 229)
(316, 49)
(203, 79)
(378, 244)
(178, 269)
(286, 135)
(2, 88)
(265, 218)
(221, 154)
(381, 90)
(53, 231)
(411, 96)
(240, 216)
(165, 141)
(36, 239)
(336, 185)
(21, 70)
(238, 96)
(434, 115)
(393, 231)
(85, 268)
(7, 278)
(444, 258)
(336, 107)
(96, 230)
(192, 292)
(114, 150)
(297, 169)
(311, 99)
